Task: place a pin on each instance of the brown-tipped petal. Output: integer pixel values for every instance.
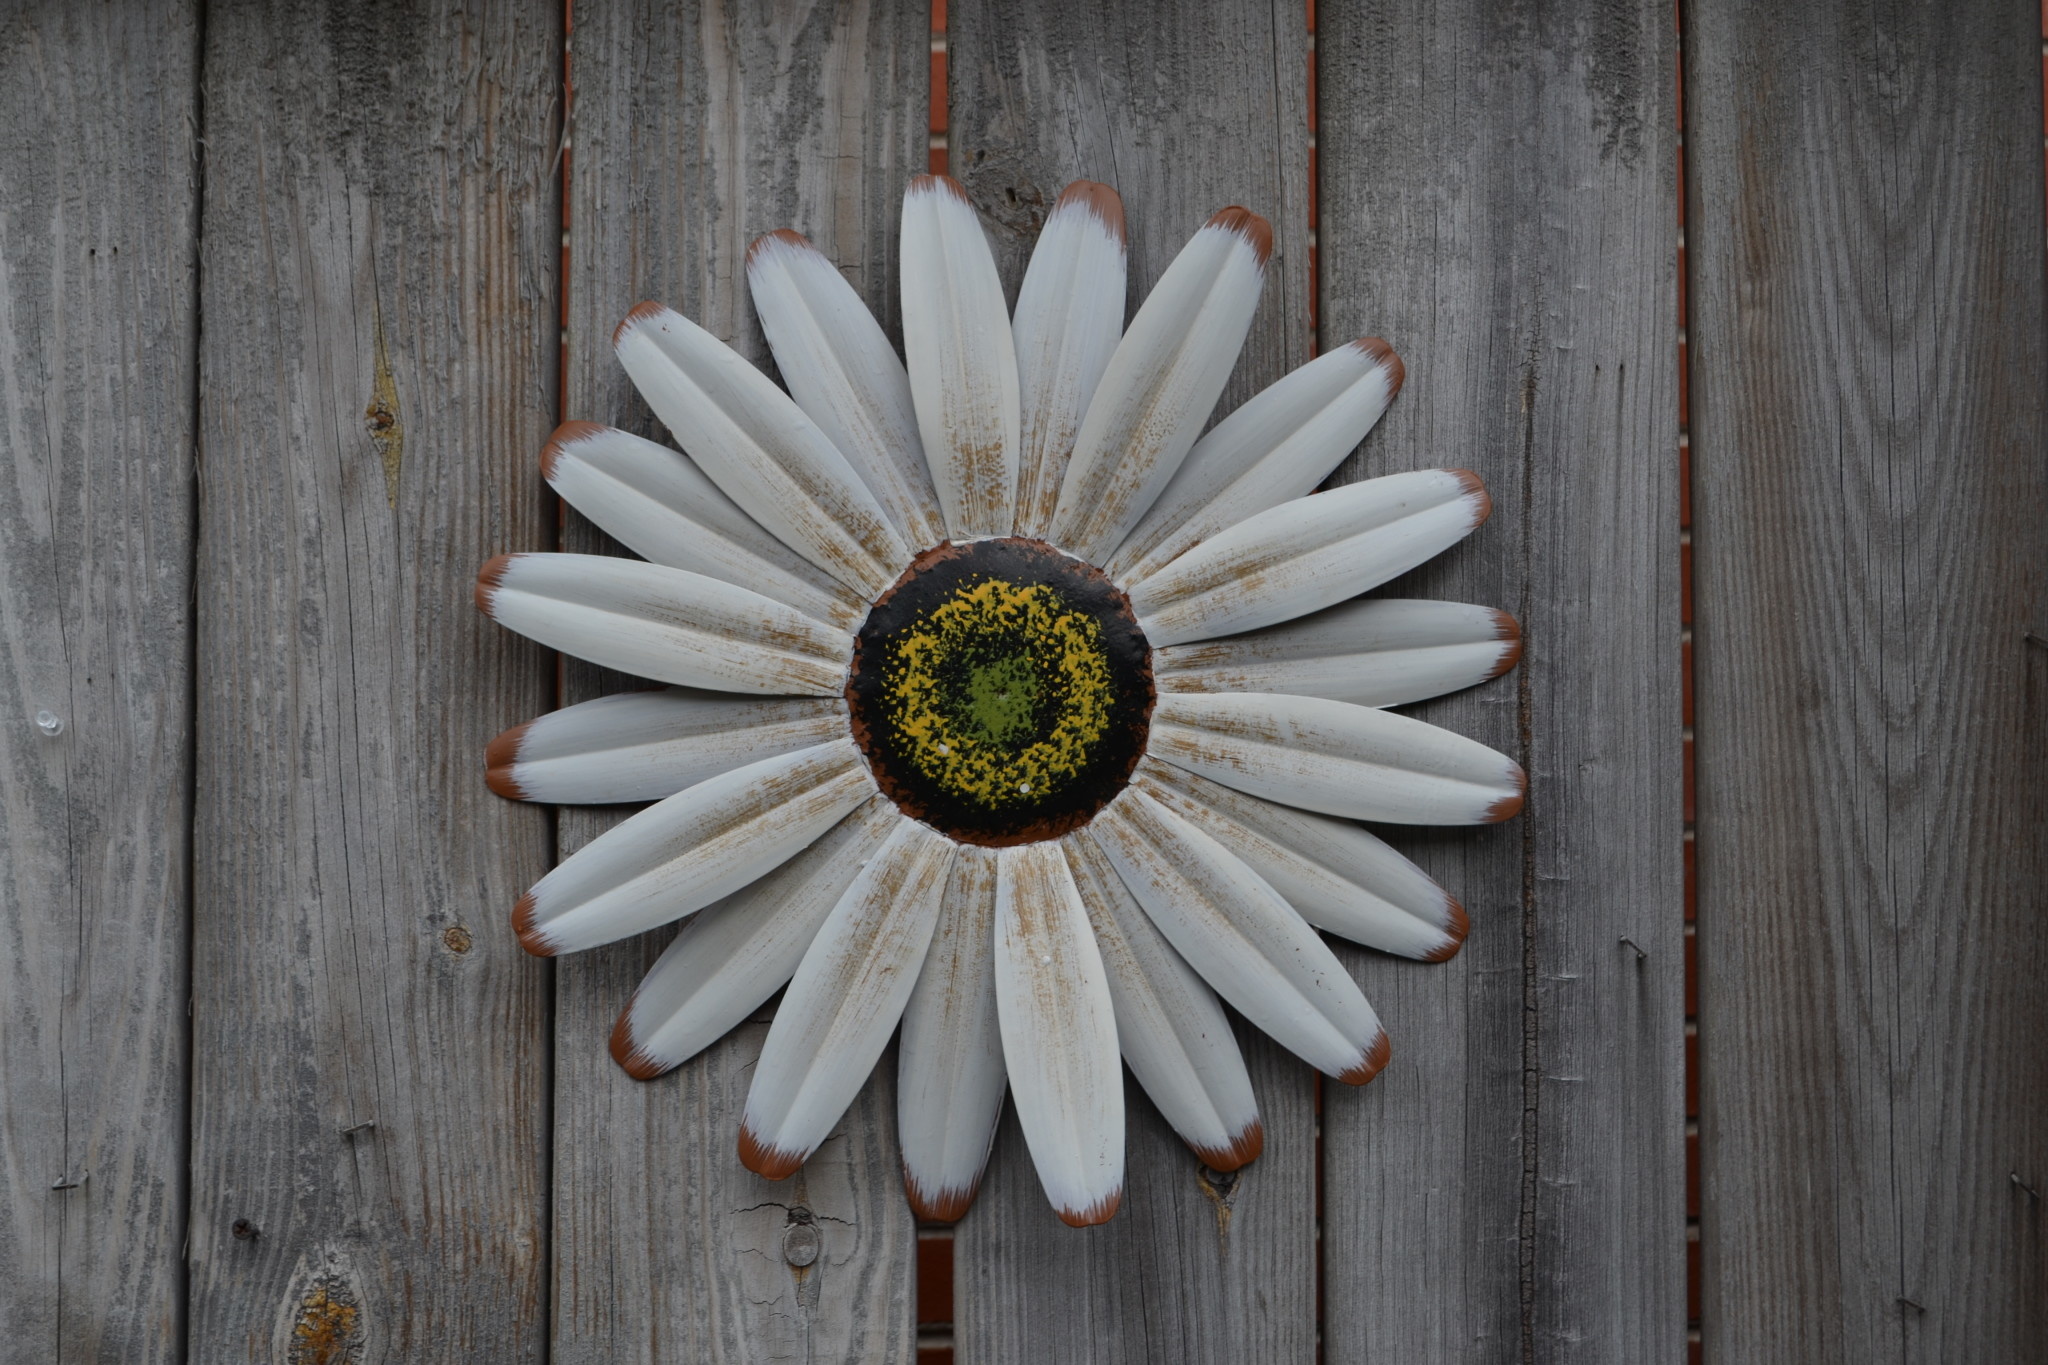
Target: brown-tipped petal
(1379, 350)
(632, 1059)
(499, 756)
(487, 580)
(784, 235)
(1241, 1152)
(1104, 202)
(1482, 500)
(565, 434)
(1510, 633)
(1247, 225)
(938, 1206)
(1455, 931)
(1101, 1211)
(770, 1163)
(943, 183)
(529, 933)
(1375, 1062)
(641, 311)
(1508, 807)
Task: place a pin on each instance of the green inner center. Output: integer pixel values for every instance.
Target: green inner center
(1001, 697)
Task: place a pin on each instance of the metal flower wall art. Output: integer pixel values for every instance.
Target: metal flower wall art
(1002, 706)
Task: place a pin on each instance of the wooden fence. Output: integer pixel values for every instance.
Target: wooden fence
(290, 296)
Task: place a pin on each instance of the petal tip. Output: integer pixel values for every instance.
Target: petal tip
(939, 1206)
(1508, 631)
(1242, 1150)
(1457, 924)
(1377, 349)
(770, 1163)
(1374, 1061)
(501, 756)
(1509, 806)
(788, 237)
(1098, 199)
(935, 184)
(488, 579)
(633, 1059)
(1474, 488)
(1248, 225)
(531, 936)
(642, 312)
(567, 434)
(1101, 1211)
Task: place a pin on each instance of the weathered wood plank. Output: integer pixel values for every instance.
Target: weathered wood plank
(698, 126)
(1184, 108)
(1868, 494)
(1498, 202)
(380, 264)
(98, 291)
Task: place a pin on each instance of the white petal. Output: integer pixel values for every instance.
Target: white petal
(679, 855)
(1308, 554)
(659, 505)
(1278, 446)
(1330, 756)
(1337, 876)
(845, 1000)
(1244, 940)
(643, 746)
(739, 951)
(759, 447)
(1162, 383)
(950, 1077)
(670, 625)
(963, 365)
(1059, 1034)
(1070, 312)
(1383, 652)
(842, 371)
(1169, 1024)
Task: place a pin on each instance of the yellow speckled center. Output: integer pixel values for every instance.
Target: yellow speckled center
(970, 683)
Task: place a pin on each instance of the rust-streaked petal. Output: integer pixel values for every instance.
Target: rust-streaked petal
(1162, 383)
(1059, 1034)
(962, 359)
(1169, 1024)
(679, 855)
(1307, 554)
(738, 951)
(950, 1076)
(670, 625)
(1379, 652)
(1278, 446)
(1358, 762)
(643, 746)
(845, 1000)
(1242, 937)
(759, 447)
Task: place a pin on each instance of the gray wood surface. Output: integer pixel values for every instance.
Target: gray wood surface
(98, 320)
(1869, 496)
(1184, 108)
(1498, 201)
(380, 260)
(697, 127)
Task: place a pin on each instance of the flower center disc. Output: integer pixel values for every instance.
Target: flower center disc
(1001, 691)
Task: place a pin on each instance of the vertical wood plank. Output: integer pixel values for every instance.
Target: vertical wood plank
(98, 219)
(380, 265)
(1498, 201)
(1868, 495)
(1184, 108)
(698, 126)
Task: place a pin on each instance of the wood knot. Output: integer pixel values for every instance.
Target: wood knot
(328, 1330)
(457, 938)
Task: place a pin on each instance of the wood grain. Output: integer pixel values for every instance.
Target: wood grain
(697, 127)
(98, 321)
(1868, 495)
(1498, 201)
(380, 265)
(1183, 108)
